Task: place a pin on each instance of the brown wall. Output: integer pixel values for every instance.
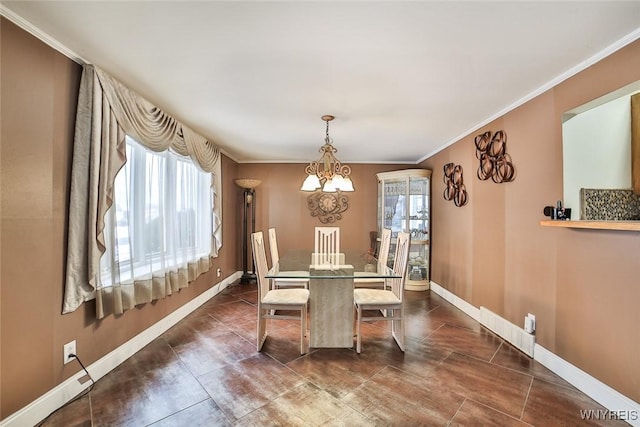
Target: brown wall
(582, 285)
(281, 204)
(38, 99)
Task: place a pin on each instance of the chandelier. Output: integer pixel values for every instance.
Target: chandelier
(327, 172)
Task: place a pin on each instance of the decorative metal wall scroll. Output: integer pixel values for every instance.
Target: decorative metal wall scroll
(495, 162)
(328, 207)
(455, 189)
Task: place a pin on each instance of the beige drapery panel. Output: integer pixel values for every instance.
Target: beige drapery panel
(107, 112)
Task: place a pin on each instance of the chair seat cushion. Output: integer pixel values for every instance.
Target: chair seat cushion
(286, 296)
(366, 296)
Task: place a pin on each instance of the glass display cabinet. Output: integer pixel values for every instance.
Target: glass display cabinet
(404, 205)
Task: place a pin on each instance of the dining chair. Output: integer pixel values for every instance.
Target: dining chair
(272, 300)
(288, 282)
(383, 257)
(385, 304)
(326, 246)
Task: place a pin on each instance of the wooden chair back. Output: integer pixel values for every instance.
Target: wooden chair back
(327, 245)
(260, 260)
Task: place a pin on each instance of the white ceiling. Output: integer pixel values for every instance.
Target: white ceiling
(404, 79)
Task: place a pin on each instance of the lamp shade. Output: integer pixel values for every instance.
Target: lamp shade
(338, 182)
(247, 183)
(329, 187)
(347, 184)
(311, 183)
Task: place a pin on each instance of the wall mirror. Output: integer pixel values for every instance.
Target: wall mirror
(596, 148)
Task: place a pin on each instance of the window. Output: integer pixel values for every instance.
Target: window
(160, 219)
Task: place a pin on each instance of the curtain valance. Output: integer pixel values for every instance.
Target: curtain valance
(108, 111)
(152, 127)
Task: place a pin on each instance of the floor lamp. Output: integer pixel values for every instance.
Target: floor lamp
(249, 186)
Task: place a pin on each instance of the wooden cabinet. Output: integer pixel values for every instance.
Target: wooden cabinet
(404, 205)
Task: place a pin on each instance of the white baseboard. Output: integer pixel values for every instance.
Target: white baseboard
(616, 403)
(611, 399)
(511, 333)
(40, 408)
(461, 304)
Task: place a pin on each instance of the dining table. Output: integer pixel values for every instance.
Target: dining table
(331, 314)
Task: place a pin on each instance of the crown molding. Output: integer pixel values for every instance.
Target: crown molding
(609, 50)
(41, 35)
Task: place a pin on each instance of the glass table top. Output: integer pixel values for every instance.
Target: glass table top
(352, 264)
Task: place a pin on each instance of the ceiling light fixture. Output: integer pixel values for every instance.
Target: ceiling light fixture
(327, 172)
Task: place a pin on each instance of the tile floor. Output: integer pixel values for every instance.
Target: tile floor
(205, 371)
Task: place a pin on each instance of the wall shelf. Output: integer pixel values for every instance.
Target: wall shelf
(594, 225)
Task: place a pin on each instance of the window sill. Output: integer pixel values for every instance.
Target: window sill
(594, 225)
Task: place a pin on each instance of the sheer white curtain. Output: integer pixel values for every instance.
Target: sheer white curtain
(158, 230)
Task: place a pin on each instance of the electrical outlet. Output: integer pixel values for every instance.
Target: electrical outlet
(528, 328)
(219, 272)
(530, 323)
(69, 348)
